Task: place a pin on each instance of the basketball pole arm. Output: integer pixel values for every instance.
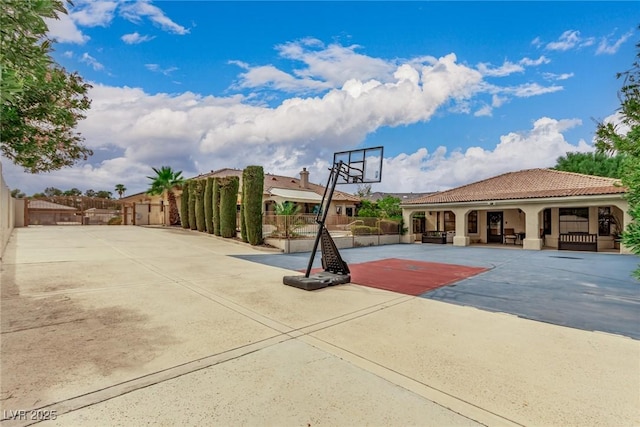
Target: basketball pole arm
(321, 216)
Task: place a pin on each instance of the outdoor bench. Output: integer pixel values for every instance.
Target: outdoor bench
(578, 242)
(434, 237)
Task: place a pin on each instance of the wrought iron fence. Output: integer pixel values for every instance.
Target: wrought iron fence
(304, 226)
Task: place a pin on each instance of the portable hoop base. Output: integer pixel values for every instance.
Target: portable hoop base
(316, 281)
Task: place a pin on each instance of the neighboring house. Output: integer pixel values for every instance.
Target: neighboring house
(535, 208)
(142, 209)
(43, 212)
(404, 197)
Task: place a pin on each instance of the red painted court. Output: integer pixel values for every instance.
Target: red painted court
(409, 277)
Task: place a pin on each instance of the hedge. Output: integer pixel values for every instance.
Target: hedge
(228, 205)
(253, 181)
(215, 204)
(199, 192)
(208, 203)
(192, 205)
(184, 205)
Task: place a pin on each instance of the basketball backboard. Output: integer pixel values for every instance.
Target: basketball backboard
(360, 166)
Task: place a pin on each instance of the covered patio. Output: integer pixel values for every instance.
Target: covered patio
(531, 209)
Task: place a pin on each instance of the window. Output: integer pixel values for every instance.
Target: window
(449, 221)
(604, 221)
(574, 220)
(546, 222)
(472, 221)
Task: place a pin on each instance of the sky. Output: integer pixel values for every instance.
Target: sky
(455, 92)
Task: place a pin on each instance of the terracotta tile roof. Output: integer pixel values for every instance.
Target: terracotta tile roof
(285, 182)
(526, 184)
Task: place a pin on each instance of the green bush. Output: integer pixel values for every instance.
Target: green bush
(243, 225)
(116, 220)
(228, 205)
(192, 205)
(208, 203)
(364, 230)
(199, 192)
(215, 204)
(388, 226)
(253, 181)
(184, 206)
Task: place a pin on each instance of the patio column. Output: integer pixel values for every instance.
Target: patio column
(408, 237)
(461, 238)
(532, 239)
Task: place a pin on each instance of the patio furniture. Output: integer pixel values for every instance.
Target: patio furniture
(439, 237)
(509, 234)
(578, 242)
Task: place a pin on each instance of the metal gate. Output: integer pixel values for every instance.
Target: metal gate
(72, 210)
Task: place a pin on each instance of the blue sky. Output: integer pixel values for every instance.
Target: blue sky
(454, 91)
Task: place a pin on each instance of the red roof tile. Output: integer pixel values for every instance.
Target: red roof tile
(526, 184)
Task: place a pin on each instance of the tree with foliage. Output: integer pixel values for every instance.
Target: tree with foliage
(17, 194)
(208, 205)
(184, 205)
(41, 103)
(287, 208)
(611, 139)
(598, 164)
(228, 205)
(368, 209)
(243, 220)
(104, 194)
(90, 193)
(253, 177)
(364, 190)
(73, 192)
(389, 207)
(166, 180)
(52, 192)
(120, 189)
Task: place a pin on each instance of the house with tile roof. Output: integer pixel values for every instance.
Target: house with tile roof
(535, 208)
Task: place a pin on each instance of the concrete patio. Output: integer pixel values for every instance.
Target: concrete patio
(131, 326)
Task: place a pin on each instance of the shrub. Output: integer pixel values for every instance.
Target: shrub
(215, 205)
(364, 230)
(208, 205)
(253, 182)
(116, 220)
(184, 206)
(228, 205)
(388, 226)
(199, 192)
(192, 205)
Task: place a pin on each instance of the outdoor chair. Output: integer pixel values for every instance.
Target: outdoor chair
(509, 234)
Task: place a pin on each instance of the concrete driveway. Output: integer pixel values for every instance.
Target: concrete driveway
(130, 325)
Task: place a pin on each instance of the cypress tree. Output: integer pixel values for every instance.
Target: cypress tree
(208, 203)
(200, 204)
(243, 223)
(228, 205)
(184, 206)
(215, 204)
(253, 179)
(192, 205)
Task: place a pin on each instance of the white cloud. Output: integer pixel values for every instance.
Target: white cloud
(504, 70)
(528, 62)
(530, 89)
(610, 48)
(64, 30)
(135, 38)
(91, 61)
(538, 147)
(485, 110)
(553, 76)
(570, 39)
(93, 13)
(134, 12)
(156, 69)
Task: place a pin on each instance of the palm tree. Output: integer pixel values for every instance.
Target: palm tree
(167, 179)
(120, 189)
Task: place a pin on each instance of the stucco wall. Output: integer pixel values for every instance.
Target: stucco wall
(7, 213)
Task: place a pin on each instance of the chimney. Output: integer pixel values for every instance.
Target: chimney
(304, 178)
